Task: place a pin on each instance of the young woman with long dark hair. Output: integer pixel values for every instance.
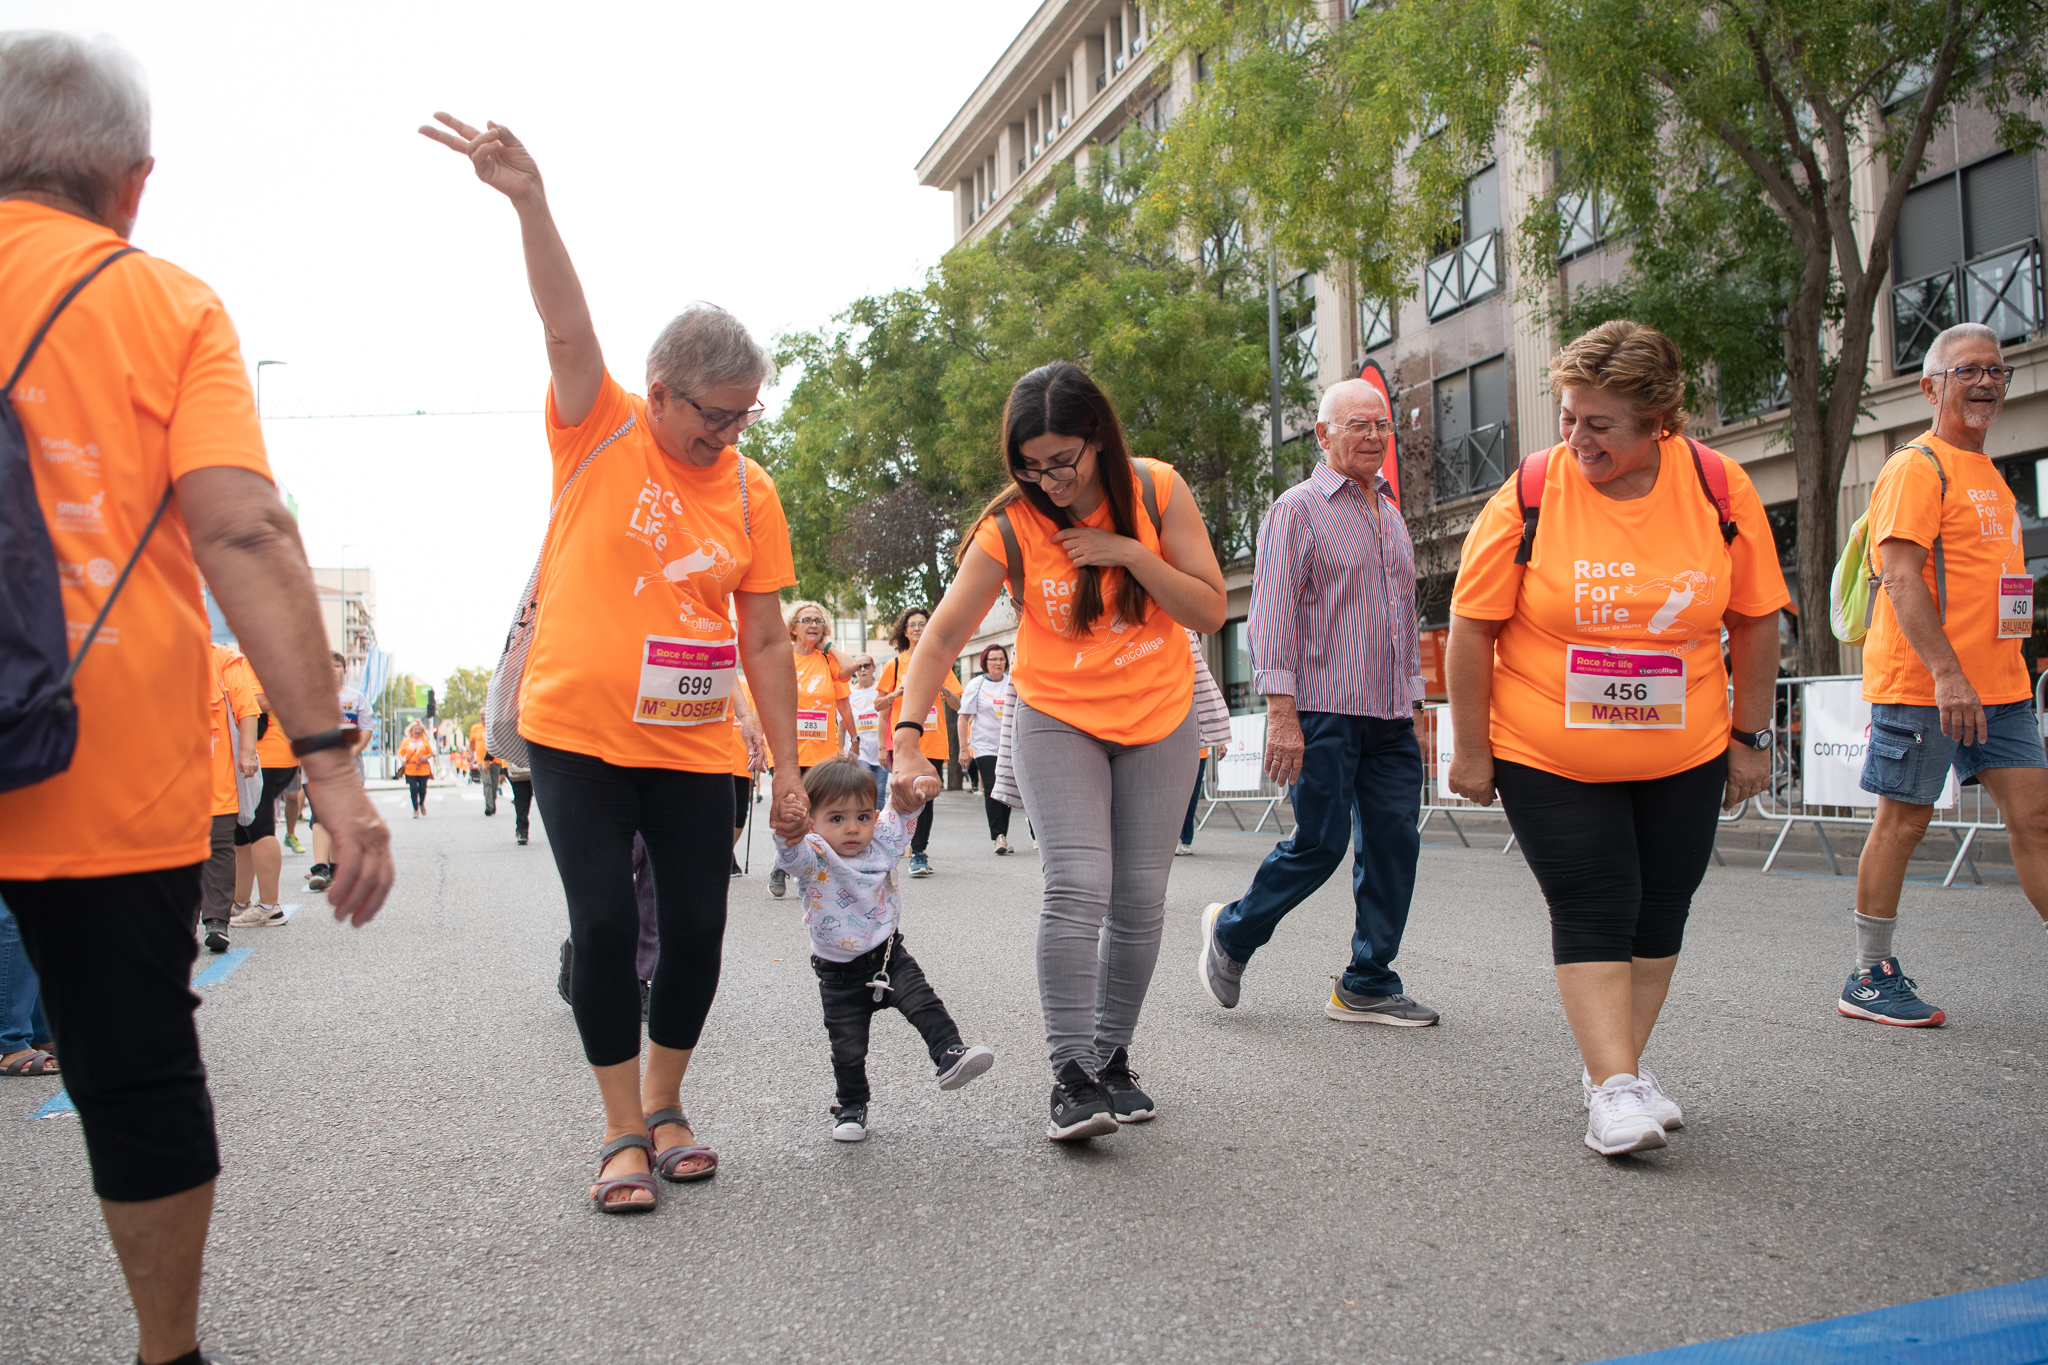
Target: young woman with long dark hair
(1108, 559)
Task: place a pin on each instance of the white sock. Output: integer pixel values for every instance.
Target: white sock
(1873, 938)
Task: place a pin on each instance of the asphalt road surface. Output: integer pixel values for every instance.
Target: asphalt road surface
(408, 1129)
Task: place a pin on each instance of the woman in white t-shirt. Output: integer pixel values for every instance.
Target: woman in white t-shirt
(981, 731)
(867, 719)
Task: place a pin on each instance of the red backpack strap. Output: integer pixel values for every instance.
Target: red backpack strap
(1529, 476)
(1714, 479)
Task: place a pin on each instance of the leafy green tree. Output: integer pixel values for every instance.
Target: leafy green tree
(462, 696)
(889, 444)
(1725, 135)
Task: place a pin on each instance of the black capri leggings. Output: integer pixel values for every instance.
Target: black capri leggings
(416, 783)
(264, 823)
(593, 809)
(1618, 861)
(998, 813)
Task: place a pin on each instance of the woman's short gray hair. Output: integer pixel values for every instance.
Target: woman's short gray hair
(74, 115)
(703, 348)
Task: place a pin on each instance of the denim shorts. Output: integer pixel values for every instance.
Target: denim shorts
(1909, 756)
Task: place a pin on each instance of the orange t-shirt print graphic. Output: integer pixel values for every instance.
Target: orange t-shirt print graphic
(1981, 544)
(643, 548)
(1622, 589)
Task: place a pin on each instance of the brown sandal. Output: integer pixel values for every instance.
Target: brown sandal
(34, 1062)
(669, 1158)
(600, 1196)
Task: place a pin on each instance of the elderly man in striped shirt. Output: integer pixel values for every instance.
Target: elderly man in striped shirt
(1335, 654)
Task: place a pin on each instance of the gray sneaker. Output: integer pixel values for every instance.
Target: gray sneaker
(777, 880)
(1220, 976)
(1397, 1010)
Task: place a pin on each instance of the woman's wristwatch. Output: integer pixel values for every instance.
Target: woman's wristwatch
(1755, 739)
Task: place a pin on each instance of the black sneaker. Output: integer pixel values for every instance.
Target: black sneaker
(849, 1122)
(1080, 1106)
(562, 977)
(920, 866)
(216, 935)
(1126, 1102)
(520, 836)
(319, 877)
(960, 1064)
(737, 870)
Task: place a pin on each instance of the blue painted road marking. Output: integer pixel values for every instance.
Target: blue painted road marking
(2007, 1325)
(56, 1106)
(218, 969)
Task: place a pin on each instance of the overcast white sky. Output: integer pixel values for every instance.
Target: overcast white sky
(760, 156)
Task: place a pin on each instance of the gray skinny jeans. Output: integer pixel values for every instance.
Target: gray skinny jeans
(1106, 816)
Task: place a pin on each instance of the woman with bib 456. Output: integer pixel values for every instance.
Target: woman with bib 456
(663, 537)
(1588, 689)
(1107, 558)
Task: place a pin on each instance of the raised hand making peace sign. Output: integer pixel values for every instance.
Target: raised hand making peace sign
(501, 160)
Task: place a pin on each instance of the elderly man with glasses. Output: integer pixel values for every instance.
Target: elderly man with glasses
(1942, 669)
(1336, 655)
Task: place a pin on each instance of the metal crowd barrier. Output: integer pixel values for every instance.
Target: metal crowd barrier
(1813, 767)
(1247, 783)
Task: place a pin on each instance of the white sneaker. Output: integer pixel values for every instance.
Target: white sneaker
(1184, 851)
(258, 916)
(1618, 1119)
(1662, 1107)
(1003, 845)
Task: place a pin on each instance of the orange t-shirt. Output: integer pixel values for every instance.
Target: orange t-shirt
(635, 644)
(139, 382)
(418, 755)
(819, 689)
(933, 743)
(1979, 527)
(741, 764)
(476, 739)
(1629, 597)
(1121, 682)
(233, 699)
(274, 750)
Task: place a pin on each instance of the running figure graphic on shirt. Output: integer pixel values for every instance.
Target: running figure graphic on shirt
(705, 556)
(1687, 588)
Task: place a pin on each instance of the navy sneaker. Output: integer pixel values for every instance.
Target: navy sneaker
(1887, 995)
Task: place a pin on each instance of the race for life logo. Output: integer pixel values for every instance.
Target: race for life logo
(700, 566)
(62, 450)
(82, 516)
(1607, 599)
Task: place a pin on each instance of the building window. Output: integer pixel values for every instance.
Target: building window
(1588, 221)
(1298, 326)
(1472, 429)
(1375, 323)
(1237, 670)
(1469, 268)
(1967, 249)
(1223, 247)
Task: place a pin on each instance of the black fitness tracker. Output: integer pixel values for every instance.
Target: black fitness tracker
(1755, 739)
(326, 739)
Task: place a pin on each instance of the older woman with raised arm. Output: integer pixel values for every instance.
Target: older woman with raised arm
(663, 537)
(1107, 558)
(1588, 692)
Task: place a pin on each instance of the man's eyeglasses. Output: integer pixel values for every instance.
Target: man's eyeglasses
(1358, 426)
(1058, 473)
(718, 419)
(1966, 375)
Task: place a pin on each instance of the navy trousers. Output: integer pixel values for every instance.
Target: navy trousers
(1360, 785)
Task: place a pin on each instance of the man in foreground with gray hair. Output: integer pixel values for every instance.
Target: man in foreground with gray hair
(1942, 669)
(142, 444)
(1335, 653)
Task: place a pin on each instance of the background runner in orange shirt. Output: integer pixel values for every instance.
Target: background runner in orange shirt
(233, 708)
(416, 752)
(1587, 687)
(139, 389)
(1945, 693)
(663, 540)
(905, 634)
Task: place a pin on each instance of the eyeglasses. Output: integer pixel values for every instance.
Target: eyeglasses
(718, 419)
(1058, 473)
(1358, 426)
(2000, 375)
(810, 620)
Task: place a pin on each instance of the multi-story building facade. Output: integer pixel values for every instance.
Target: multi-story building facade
(1467, 350)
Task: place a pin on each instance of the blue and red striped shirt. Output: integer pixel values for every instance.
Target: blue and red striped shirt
(1333, 600)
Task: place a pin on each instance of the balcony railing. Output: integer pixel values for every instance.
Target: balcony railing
(1474, 462)
(2002, 290)
(1462, 276)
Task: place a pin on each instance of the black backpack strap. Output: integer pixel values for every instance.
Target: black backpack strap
(37, 340)
(1536, 463)
(1014, 553)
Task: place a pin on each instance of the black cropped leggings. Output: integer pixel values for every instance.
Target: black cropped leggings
(1618, 861)
(998, 813)
(593, 809)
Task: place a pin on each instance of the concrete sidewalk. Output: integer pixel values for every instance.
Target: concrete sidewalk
(409, 1130)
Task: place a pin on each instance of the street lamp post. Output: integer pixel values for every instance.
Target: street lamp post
(259, 385)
